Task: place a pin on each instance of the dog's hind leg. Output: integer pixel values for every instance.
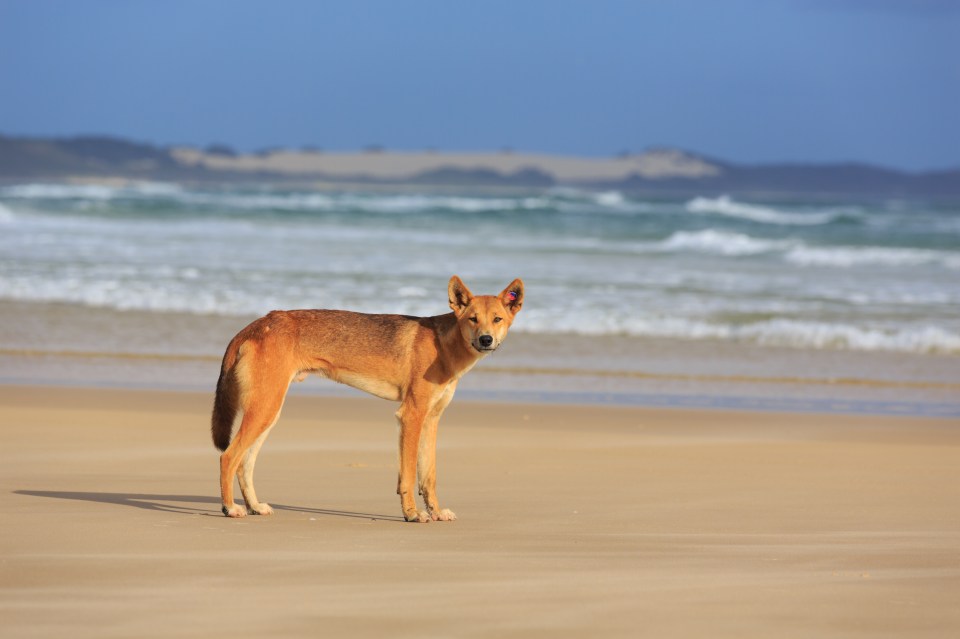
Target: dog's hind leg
(239, 458)
(245, 473)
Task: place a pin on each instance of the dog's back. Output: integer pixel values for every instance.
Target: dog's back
(366, 351)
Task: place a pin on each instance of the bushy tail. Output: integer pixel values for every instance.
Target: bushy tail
(227, 400)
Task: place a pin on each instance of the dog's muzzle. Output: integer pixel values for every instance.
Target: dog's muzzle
(485, 344)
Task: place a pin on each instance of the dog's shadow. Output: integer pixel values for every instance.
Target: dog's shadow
(184, 504)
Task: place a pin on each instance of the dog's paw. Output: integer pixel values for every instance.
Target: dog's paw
(444, 514)
(417, 517)
(260, 509)
(234, 511)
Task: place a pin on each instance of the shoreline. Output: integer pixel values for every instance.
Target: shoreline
(766, 403)
(533, 371)
(573, 521)
(198, 373)
(74, 345)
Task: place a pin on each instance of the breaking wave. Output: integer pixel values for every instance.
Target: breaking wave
(176, 290)
(728, 207)
(799, 253)
(554, 199)
(777, 332)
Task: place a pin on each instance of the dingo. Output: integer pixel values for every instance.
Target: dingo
(414, 360)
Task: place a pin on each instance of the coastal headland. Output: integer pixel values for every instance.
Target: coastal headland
(656, 170)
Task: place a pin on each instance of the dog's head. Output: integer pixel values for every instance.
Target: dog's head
(484, 319)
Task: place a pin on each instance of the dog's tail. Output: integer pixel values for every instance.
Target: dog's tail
(226, 402)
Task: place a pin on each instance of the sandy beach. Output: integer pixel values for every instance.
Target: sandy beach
(574, 521)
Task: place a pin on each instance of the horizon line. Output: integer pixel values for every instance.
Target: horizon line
(376, 148)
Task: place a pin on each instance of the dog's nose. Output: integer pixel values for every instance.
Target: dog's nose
(485, 340)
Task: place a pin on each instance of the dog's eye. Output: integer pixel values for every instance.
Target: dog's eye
(474, 319)
(497, 320)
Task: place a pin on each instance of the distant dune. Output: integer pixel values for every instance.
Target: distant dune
(396, 166)
(656, 170)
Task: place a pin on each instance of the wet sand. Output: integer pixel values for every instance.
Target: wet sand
(573, 522)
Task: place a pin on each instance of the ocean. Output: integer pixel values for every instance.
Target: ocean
(781, 277)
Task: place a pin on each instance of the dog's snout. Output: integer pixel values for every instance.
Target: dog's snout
(485, 340)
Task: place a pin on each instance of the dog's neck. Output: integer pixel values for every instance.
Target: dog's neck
(463, 354)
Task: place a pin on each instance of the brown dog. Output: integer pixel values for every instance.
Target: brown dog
(414, 360)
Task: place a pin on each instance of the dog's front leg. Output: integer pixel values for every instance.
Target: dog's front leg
(410, 418)
(427, 460)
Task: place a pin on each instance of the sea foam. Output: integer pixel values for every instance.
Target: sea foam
(825, 335)
(851, 256)
(45, 191)
(612, 199)
(722, 243)
(59, 191)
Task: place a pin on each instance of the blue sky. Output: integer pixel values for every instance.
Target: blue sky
(744, 80)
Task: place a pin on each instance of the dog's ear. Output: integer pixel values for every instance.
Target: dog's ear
(512, 296)
(460, 295)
